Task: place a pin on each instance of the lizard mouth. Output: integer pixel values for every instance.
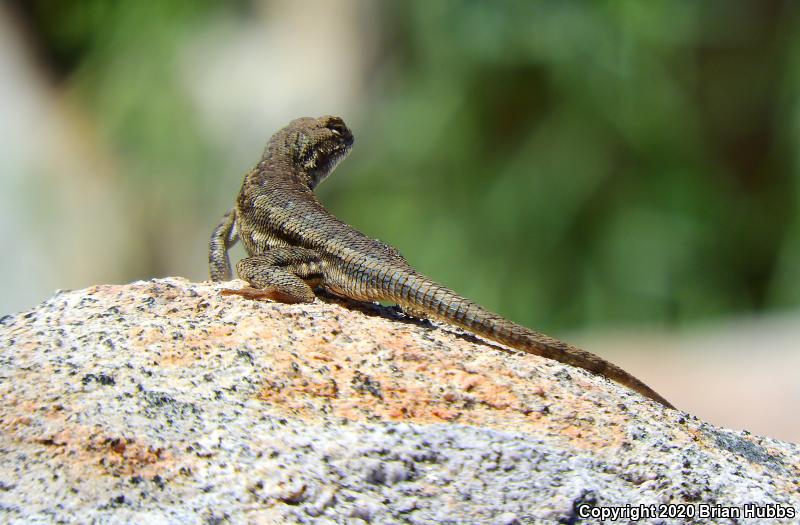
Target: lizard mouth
(328, 162)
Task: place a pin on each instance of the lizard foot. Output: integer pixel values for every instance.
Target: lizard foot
(272, 294)
(417, 313)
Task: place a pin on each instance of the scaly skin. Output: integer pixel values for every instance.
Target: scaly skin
(295, 245)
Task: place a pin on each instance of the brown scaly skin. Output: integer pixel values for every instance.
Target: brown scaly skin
(295, 245)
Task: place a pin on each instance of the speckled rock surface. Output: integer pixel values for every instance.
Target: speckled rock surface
(164, 402)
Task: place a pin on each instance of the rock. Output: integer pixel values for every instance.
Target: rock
(165, 402)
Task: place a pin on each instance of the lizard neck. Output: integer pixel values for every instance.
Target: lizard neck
(278, 168)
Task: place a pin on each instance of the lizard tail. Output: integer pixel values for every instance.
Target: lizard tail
(416, 293)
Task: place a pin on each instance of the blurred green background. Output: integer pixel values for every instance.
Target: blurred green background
(572, 165)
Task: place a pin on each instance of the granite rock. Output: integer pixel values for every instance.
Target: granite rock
(165, 402)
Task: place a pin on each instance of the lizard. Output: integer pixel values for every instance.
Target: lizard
(294, 245)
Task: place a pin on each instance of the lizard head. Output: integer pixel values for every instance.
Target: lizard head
(315, 144)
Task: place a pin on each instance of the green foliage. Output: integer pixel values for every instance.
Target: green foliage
(564, 163)
(601, 162)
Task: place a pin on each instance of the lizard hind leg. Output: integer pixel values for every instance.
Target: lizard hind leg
(285, 274)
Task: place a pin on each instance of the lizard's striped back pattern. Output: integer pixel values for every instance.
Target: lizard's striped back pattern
(294, 244)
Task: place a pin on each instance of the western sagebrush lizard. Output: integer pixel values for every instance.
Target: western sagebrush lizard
(295, 245)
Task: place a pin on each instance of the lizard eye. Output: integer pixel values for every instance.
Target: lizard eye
(337, 127)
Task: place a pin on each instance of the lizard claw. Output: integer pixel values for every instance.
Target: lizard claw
(265, 293)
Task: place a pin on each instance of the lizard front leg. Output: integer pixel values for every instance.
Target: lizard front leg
(223, 237)
(287, 274)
